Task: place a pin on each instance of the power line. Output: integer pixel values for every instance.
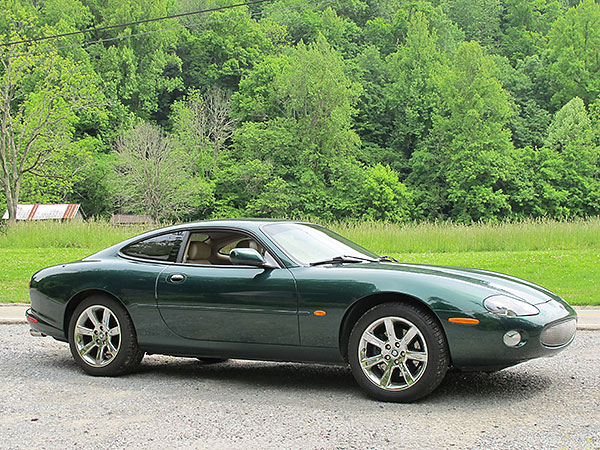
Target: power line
(121, 25)
(191, 25)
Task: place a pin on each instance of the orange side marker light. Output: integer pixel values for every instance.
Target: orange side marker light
(319, 312)
(463, 320)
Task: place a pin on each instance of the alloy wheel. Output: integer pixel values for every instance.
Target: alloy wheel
(392, 353)
(97, 336)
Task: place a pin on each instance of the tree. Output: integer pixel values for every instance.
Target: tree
(479, 19)
(413, 93)
(41, 93)
(384, 197)
(574, 44)
(203, 124)
(153, 177)
(568, 171)
(530, 121)
(138, 64)
(462, 169)
(525, 25)
(219, 53)
(303, 100)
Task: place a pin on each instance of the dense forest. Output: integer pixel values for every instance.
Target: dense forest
(397, 110)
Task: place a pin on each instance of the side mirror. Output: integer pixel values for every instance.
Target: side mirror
(246, 257)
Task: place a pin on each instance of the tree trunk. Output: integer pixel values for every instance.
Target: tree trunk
(11, 204)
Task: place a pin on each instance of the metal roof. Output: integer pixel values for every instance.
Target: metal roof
(43, 212)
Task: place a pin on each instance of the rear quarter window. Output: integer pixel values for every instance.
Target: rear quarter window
(158, 248)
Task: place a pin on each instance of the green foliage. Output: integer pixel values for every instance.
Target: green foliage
(44, 95)
(462, 170)
(479, 19)
(384, 197)
(351, 109)
(414, 91)
(154, 177)
(574, 44)
(297, 110)
(221, 52)
(570, 164)
(526, 23)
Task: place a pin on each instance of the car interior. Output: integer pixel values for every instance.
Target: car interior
(212, 248)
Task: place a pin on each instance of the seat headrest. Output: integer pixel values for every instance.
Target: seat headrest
(199, 250)
(249, 243)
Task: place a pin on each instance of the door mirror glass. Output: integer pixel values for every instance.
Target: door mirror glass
(246, 257)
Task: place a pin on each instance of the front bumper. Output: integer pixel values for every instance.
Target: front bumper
(482, 346)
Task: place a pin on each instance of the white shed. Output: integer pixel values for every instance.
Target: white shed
(48, 212)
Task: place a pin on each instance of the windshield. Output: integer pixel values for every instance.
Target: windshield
(307, 244)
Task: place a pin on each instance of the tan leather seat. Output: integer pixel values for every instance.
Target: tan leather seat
(249, 243)
(198, 253)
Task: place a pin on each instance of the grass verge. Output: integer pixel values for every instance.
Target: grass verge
(572, 274)
(561, 256)
(19, 264)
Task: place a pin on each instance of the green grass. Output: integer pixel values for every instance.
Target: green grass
(562, 256)
(448, 237)
(572, 274)
(92, 234)
(17, 266)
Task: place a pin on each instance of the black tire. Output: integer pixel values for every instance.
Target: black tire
(401, 368)
(108, 353)
(211, 360)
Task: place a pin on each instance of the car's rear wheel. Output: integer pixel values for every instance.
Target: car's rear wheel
(398, 352)
(102, 337)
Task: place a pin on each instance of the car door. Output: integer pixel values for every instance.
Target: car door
(227, 303)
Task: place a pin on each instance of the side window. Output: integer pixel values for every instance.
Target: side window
(159, 248)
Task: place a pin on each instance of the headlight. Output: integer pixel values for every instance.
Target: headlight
(503, 305)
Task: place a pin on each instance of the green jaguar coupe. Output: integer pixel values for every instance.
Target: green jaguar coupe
(292, 291)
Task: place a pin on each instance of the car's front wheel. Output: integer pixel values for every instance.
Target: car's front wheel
(102, 337)
(398, 352)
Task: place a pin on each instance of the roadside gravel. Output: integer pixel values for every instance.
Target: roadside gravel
(47, 402)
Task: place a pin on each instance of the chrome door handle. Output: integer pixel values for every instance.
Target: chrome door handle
(176, 278)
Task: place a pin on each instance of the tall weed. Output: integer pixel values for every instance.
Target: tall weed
(377, 236)
(450, 237)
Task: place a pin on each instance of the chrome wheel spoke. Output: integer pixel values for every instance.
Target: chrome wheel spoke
(87, 348)
(417, 356)
(84, 331)
(106, 318)
(107, 342)
(406, 374)
(374, 340)
(111, 347)
(100, 354)
(389, 329)
(370, 361)
(409, 336)
(386, 378)
(93, 318)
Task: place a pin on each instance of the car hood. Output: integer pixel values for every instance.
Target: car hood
(493, 281)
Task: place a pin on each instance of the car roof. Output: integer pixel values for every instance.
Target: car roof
(244, 224)
(249, 223)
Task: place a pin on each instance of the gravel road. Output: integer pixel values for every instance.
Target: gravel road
(47, 402)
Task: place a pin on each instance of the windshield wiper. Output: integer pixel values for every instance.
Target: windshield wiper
(387, 258)
(342, 259)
